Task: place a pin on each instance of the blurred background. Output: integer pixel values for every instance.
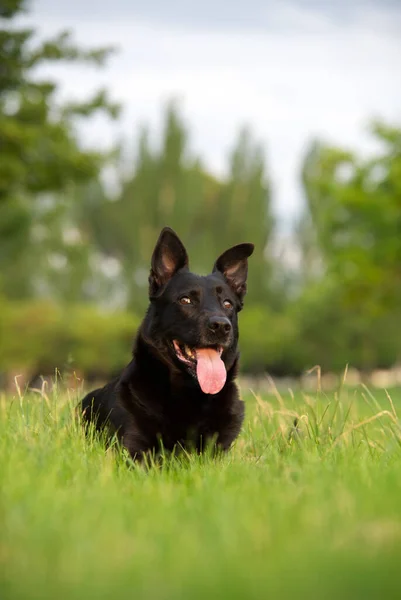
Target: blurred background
(276, 123)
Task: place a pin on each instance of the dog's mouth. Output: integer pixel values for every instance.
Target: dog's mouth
(206, 363)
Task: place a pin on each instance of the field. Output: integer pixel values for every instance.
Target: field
(313, 512)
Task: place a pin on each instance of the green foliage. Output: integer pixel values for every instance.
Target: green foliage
(40, 151)
(268, 341)
(354, 207)
(43, 336)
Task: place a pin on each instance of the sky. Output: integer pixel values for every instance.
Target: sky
(291, 70)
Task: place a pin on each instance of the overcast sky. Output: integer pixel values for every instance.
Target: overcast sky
(291, 70)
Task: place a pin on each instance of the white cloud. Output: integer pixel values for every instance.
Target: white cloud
(316, 79)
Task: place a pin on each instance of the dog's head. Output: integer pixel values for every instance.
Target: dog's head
(192, 320)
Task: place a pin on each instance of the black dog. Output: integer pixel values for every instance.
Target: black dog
(179, 389)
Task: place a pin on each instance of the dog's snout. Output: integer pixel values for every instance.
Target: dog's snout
(219, 325)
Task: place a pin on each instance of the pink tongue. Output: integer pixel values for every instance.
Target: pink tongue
(210, 370)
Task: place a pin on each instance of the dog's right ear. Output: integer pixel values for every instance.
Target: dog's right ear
(169, 257)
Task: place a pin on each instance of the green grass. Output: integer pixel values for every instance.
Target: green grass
(315, 515)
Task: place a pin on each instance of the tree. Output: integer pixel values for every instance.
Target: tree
(244, 211)
(41, 156)
(355, 206)
(169, 186)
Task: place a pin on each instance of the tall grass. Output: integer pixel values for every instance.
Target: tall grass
(307, 503)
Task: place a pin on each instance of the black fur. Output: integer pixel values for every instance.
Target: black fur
(157, 398)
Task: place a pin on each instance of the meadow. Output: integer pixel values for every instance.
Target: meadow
(310, 512)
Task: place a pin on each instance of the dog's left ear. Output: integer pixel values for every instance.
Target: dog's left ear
(169, 257)
(233, 264)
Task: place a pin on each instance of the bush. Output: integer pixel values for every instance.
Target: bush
(39, 337)
(267, 340)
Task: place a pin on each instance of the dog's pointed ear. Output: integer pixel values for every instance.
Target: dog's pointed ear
(233, 264)
(169, 257)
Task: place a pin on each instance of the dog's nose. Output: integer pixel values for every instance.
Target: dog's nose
(219, 325)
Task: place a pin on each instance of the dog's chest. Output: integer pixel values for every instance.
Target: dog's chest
(189, 422)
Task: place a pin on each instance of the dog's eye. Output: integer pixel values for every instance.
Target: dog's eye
(227, 304)
(185, 300)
